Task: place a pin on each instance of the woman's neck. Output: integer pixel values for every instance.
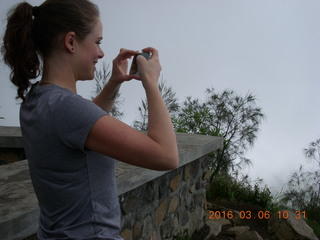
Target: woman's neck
(59, 73)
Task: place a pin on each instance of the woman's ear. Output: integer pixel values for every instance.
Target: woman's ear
(70, 41)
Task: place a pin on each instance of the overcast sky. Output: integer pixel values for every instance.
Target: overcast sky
(270, 48)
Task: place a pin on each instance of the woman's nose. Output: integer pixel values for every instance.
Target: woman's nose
(101, 54)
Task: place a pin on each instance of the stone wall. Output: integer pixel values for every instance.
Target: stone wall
(171, 205)
(154, 204)
(10, 145)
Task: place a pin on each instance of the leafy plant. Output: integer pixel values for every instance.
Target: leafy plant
(312, 152)
(170, 100)
(235, 118)
(240, 190)
(303, 191)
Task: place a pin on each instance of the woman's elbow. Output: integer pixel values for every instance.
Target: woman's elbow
(172, 162)
(175, 162)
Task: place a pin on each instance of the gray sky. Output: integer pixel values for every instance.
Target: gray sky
(270, 48)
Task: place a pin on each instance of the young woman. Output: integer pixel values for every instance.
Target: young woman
(71, 142)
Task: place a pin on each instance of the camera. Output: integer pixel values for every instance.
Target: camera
(134, 65)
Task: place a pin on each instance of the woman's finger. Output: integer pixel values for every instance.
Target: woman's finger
(154, 52)
(125, 54)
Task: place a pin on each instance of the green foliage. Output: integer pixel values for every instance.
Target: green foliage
(235, 118)
(193, 118)
(170, 100)
(312, 152)
(101, 78)
(303, 193)
(240, 190)
(303, 189)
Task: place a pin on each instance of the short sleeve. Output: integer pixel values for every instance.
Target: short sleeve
(74, 118)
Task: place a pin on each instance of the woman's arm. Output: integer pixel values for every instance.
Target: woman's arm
(155, 150)
(107, 96)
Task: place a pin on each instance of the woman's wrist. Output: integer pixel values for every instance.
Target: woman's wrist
(113, 89)
(151, 83)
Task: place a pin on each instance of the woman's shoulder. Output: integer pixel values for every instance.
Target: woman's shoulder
(56, 101)
(53, 95)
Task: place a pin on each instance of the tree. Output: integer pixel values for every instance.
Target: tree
(303, 188)
(235, 118)
(228, 115)
(101, 78)
(312, 152)
(170, 100)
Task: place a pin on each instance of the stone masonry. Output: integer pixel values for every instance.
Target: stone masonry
(172, 205)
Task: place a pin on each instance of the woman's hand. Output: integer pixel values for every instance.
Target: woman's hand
(120, 67)
(149, 70)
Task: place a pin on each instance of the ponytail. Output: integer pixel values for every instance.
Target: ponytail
(19, 48)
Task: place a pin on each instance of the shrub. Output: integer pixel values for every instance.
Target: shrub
(226, 187)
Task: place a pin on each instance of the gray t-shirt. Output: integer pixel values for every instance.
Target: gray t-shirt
(75, 187)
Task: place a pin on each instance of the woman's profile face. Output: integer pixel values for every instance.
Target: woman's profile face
(89, 52)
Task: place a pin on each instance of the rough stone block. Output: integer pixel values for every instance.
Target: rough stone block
(195, 169)
(183, 216)
(126, 234)
(176, 225)
(166, 228)
(154, 236)
(175, 182)
(183, 192)
(237, 230)
(137, 230)
(161, 211)
(195, 220)
(249, 235)
(148, 193)
(290, 228)
(163, 187)
(130, 203)
(200, 199)
(223, 221)
(215, 228)
(207, 176)
(199, 184)
(186, 172)
(147, 228)
(192, 188)
(173, 204)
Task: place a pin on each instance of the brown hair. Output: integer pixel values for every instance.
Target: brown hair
(31, 30)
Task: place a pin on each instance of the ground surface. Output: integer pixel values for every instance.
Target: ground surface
(255, 224)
